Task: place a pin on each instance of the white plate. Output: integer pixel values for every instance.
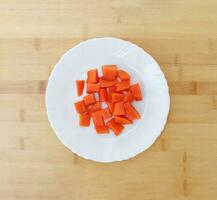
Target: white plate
(61, 94)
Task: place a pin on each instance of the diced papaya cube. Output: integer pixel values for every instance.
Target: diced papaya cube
(92, 76)
(111, 90)
(89, 99)
(103, 94)
(84, 120)
(106, 114)
(131, 111)
(101, 129)
(107, 83)
(80, 87)
(123, 75)
(128, 97)
(80, 107)
(119, 109)
(123, 85)
(136, 91)
(111, 107)
(95, 107)
(97, 118)
(122, 120)
(92, 87)
(109, 72)
(116, 97)
(117, 128)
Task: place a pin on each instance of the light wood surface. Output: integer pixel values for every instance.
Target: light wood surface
(181, 35)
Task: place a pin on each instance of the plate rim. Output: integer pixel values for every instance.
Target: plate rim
(51, 77)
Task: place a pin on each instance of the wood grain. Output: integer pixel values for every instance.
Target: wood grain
(181, 36)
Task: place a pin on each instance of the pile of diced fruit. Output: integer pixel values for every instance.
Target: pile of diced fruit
(112, 89)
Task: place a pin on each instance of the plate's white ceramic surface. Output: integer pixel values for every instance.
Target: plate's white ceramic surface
(61, 94)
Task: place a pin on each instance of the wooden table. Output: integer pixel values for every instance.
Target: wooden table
(181, 35)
